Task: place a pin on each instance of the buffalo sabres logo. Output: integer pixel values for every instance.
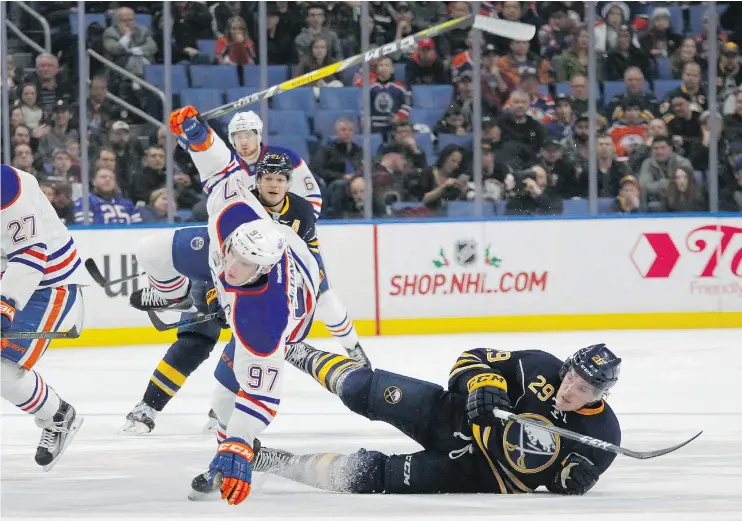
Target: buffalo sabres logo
(529, 449)
(392, 395)
(466, 252)
(197, 243)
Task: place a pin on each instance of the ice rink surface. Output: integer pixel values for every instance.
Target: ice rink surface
(673, 384)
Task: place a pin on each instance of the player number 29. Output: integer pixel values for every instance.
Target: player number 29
(541, 388)
(259, 376)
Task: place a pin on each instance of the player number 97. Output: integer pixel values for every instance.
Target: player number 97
(259, 376)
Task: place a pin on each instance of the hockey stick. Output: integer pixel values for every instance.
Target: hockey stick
(42, 335)
(512, 30)
(587, 440)
(99, 279)
(164, 326)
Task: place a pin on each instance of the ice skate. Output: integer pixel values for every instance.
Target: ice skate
(212, 423)
(270, 460)
(149, 299)
(200, 487)
(56, 436)
(141, 420)
(358, 354)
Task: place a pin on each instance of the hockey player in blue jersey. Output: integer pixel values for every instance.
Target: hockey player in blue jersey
(106, 206)
(187, 253)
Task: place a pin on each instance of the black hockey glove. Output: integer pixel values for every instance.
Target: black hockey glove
(487, 392)
(212, 301)
(577, 476)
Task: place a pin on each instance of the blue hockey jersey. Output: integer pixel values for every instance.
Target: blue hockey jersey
(116, 210)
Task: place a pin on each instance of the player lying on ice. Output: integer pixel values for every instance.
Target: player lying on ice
(466, 449)
(285, 187)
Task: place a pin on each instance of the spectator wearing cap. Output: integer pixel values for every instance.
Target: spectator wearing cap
(576, 145)
(683, 193)
(729, 77)
(536, 197)
(559, 125)
(628, 199)
(566, 176)
(496, 88)
(553, 36)
(280, 39)
(634, 83)
(517, 126)
(730, 197)
(455, 41)
(639, 153)
(129, 45)
(454, 122)
(615, 16)
(541, 106)
(424, 67)
(51, 85)
(316, 29)
(60, 132)
(631, 130)
(657, 170)
(106, 204)
(338, 158)
(128, 152)
(574, 60)
(624, 55)
(660, 41)
(733, 121)
(683, 123)
(235, 47)
(691, 85)
(390, 98)
(698, 149)
(518, 59)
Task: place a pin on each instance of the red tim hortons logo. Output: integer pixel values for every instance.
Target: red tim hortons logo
(655, 255)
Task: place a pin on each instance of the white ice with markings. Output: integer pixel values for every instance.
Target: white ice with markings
(673, 383)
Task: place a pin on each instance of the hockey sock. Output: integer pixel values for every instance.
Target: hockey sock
(358, 473)
(164, 383)
(329, 369)
(344, 332)
(28, 391)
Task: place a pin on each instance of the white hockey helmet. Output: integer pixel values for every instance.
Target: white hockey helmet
(252, 250)
(245, 121)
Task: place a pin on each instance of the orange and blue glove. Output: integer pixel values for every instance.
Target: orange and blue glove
(185, 125)
(7, 312)
(233, 462)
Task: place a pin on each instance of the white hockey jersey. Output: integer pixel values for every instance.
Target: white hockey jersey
(37, 249)
(263, 318)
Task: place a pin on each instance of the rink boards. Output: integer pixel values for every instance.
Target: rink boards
(431, 277)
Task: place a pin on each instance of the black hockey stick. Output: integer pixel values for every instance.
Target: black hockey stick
(42, 335)
(512, 30)
(99, 279)
(164, 326)
(587, 440)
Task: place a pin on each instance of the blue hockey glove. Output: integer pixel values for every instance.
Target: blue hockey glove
(184, 122)
(577, 476)
(487, 392)
(233, 462)
(212, 300)
(7, 310)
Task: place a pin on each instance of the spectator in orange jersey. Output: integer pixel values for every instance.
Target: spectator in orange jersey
(632, 129)
(518, 59)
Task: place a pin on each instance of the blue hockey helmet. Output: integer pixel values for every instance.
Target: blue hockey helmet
(596, 364)
(274, 163)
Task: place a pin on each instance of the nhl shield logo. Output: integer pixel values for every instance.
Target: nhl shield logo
(392, 395)
(466, 252)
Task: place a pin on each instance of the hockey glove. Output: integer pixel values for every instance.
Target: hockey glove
(577, 476)
(233, 462)
(487, 392)
(7, 310)
(212, 300)
(183, 122)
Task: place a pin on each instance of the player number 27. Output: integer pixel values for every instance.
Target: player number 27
(259, 376)
(541, 388)
(23, 228)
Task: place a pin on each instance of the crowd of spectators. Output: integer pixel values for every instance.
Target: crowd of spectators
(652, 146)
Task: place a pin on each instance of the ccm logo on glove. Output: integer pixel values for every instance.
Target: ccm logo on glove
(486, 380)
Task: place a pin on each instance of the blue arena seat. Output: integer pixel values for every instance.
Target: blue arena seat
(236, 93)
(89, 19)
(664, 68)
(202, 99)
(663, 87)
(604, 205)
(155, 74)
(432, 96)
(276, 74)
(341, 98)
(452, 139)
(296, 143)
(427, 117)
(296, 99)
(576, 207)
(611, 89)
(324, 122)
(207, 47)
(221, 76)
(425, 144)
(676, 17)
(288, 122)
(143, 19)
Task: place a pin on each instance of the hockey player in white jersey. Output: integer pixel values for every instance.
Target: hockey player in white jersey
(267, 282)
(40, 293)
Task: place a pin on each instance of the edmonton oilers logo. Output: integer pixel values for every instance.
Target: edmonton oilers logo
(197, 243)
(530, 449)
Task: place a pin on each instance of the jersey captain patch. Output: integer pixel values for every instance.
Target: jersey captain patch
(529, 449)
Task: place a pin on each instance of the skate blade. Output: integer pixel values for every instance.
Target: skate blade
(68, 440)
(134, 428)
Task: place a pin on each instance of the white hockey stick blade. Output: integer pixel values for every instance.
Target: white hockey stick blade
(505, 28)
